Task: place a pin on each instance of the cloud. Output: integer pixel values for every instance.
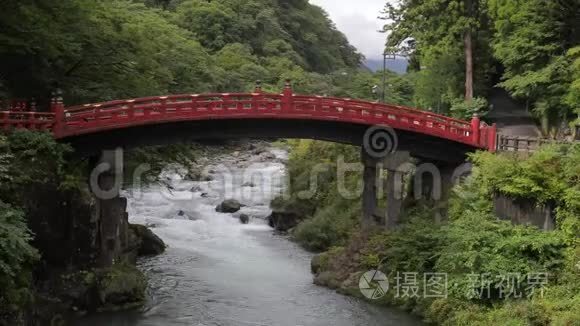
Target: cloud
(358, 20)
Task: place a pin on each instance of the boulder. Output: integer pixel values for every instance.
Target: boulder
(267, 156)
(328, 279)
(119, 287)
(283, 221)
(317, 263)
(196, 188)
(228, 206)
(193, 175)
(148, 243)
(244, 219)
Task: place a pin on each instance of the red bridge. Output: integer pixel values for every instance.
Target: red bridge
(281, 115)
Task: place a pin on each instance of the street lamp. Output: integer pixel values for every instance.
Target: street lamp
(387, 55)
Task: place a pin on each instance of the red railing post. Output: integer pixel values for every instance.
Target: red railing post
(256, 97)
(131, 110)
(258, 89)
(492, 138)
(4, 116)
(287, 97)
(163, 106)
(475, 129)
(57, 107)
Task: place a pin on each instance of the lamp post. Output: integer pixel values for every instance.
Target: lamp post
(386, 56)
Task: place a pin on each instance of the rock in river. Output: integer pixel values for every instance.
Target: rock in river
(148, 243)
(228, 206)
(283, 221)
(244, 219)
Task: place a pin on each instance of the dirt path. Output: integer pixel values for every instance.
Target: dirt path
(511, 117)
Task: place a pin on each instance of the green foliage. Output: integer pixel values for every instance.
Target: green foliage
(28, 161)
(313, 184)
(103, 50)
(438, 52)
(412, 248)
(573, 97)
(96, 51)
(33, 159)
(531, 40)
(330, 226)
(462, 109)
(531, 46)
(478, 251)
(497, 248)
(548, 175)
(16, 259)
(438, 83)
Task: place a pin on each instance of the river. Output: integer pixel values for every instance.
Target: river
(217, 271)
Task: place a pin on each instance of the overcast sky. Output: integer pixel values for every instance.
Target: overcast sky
(358, 20)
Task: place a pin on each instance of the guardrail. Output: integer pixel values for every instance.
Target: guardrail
(524, 144)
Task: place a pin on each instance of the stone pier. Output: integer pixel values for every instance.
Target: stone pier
(110, 208)
(396, 165)
(431, 183)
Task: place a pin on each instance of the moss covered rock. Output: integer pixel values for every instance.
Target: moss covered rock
(120, 287)
(144, 241)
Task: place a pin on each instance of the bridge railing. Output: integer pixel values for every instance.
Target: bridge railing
(392, 115)
(507, 143)
(26, 120)
(114, 114)
(90, 118)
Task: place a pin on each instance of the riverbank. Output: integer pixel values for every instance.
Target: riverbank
(492, 272)
(50, 227)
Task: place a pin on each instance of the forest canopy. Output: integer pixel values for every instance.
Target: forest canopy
(461, 49)
(110, 49)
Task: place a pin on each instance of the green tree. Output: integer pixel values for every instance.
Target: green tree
(531, 41)
(97, 51)
(439, 28)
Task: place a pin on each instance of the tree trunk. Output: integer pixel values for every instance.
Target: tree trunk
(468, 43)
(468, 65)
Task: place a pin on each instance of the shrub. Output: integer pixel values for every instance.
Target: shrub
(329, 218)
(16, 259)
(330, 226)
(462, 109)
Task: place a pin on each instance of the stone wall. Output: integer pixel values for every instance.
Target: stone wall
(525, 212)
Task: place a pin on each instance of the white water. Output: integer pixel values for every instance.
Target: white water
(217, 271)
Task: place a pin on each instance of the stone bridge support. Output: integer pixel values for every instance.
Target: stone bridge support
(407, 180)
(106, 180)
(395, 165)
